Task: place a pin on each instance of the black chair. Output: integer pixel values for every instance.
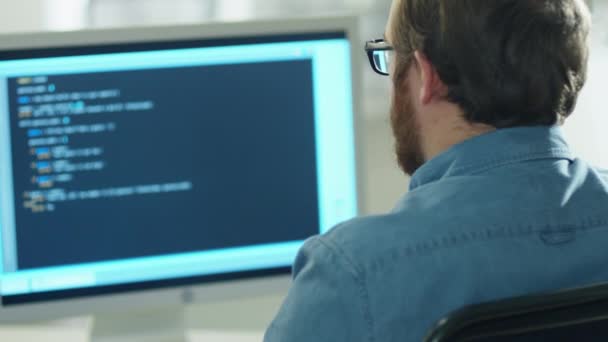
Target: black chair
(579, 315)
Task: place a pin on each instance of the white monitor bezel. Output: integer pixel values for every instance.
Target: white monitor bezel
(178, 295)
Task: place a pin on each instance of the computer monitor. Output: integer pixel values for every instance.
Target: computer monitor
(160, 158)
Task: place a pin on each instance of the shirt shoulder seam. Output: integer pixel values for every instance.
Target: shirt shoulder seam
(491, 164)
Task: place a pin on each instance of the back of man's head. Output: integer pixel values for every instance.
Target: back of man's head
(506, 63)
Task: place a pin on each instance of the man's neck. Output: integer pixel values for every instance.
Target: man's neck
(446, 134)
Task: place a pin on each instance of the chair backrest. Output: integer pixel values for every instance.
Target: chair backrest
(579, 314)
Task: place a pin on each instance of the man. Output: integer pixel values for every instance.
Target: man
(498, 205)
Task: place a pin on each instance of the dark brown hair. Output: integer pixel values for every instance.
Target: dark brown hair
(506, 63)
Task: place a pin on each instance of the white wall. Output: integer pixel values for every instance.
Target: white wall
(36, 15)
(22, 15)
(587, 129)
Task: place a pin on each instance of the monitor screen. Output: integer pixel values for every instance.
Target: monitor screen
(126, 166)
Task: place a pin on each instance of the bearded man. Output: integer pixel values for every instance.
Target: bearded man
(498, 205)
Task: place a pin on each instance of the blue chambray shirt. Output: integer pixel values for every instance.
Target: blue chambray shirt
(507, 213)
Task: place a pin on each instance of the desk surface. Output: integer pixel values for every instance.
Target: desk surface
(81, 334)
(54, 334)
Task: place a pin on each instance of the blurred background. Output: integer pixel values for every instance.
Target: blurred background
(384, 183)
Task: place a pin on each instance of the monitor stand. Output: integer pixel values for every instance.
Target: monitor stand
(163, 324)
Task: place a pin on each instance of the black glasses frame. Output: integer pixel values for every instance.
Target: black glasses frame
(377, 45)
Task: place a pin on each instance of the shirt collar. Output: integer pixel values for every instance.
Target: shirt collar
(494, 149)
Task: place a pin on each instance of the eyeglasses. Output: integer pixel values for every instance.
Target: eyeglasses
(379, 53)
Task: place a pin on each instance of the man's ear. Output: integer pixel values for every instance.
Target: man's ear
(432, 87)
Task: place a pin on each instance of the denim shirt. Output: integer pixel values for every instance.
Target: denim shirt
(507, 213)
